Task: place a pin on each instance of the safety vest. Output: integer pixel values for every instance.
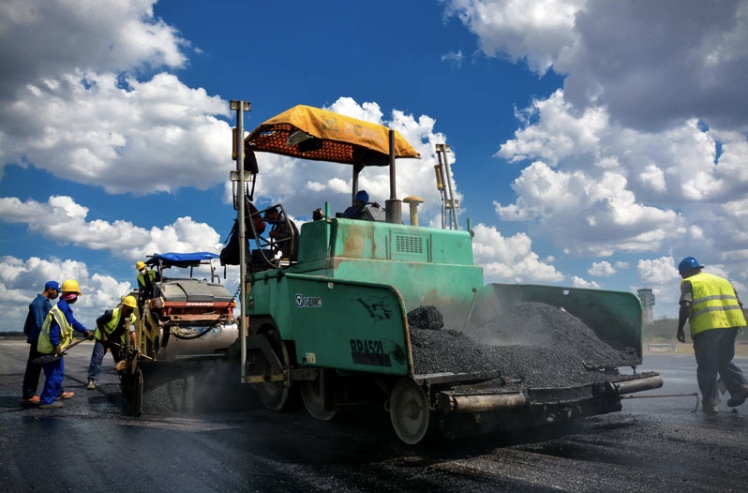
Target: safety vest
(714, 305)
(151, 278)
(44, 344)
(112, 324)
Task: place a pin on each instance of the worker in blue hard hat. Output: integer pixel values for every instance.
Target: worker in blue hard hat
(359, 202)
(715, 313)
(38, 311)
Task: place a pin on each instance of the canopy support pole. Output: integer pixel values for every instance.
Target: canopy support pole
(241, 107)
(393, 207)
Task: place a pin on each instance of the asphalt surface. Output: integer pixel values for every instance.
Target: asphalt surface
(230, 444)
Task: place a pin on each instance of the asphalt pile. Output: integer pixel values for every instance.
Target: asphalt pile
(540, 345)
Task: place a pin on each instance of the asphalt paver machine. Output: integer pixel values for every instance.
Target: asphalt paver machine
(332, 322)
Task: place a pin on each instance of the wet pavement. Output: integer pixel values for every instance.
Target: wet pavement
(228, 443)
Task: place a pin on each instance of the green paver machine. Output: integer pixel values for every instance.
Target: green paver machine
(331, 320)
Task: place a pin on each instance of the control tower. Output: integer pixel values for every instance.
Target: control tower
(647, 298)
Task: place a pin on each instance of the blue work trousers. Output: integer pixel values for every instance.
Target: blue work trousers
(53, 372)
(714, 351)
(97, 357)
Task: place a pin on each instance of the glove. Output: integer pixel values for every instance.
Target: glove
(58, 350)
(90, 335)
(135, 350)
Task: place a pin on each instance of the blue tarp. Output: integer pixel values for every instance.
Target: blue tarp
(181, 259)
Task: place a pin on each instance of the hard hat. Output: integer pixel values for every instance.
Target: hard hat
(361, 196)
(689, 263)
(71, 286)
(52, 285)
(139, 265)
(130, 301)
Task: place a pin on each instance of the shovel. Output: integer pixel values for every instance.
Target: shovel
(49, 358)
(123, 362)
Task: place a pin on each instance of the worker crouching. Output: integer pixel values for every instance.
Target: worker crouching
(111, 332)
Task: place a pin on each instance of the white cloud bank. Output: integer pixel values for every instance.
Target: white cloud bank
(62, 220)
(79, 107)
(21, 280)
(645, 148)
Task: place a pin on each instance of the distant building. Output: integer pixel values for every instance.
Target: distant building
(647, 298)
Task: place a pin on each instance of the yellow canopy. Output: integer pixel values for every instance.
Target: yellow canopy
(312, 133)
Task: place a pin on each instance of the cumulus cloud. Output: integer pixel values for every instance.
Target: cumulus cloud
(21, 280)
(535, 31)
(510, 259)
(587, 215)
(601, 269)
(112, 35)
(579, 282)
(644, 149)
(79, 106)
(598, 188)
(651, 64)
(63, 220)
(661, 276)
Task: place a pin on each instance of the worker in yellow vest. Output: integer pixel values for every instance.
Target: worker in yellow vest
(55, 336)
(146, 279)
(112, 329)
(711, 306)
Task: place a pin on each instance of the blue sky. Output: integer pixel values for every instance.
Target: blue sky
(595, 143)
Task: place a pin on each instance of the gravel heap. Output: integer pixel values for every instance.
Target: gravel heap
(542, 345)
(426, 317)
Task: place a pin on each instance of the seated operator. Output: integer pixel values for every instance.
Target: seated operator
(284, 234)
(358, 209)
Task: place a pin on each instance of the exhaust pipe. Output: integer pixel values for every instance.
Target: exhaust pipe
(476, 403)
(631, 386)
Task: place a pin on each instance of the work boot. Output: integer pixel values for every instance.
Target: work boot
(738, 398)
(34, 399)
(91, 385)
(53, 405)
(709, 407)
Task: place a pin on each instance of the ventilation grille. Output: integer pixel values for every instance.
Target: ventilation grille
(409, 244)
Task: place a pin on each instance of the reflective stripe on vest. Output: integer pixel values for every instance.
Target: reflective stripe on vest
(715, 305)
(44, 344)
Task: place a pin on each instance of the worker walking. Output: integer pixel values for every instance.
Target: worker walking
(38, 311)
(56, 334)
(111, 330)
(711, 306)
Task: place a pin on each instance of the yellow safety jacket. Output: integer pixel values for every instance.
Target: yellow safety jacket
(715, 305)
(44, 344)
(151, 277)
(112, 324)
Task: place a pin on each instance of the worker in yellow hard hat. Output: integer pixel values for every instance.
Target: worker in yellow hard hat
(111, 334)
(55, 336)
(146, 279)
